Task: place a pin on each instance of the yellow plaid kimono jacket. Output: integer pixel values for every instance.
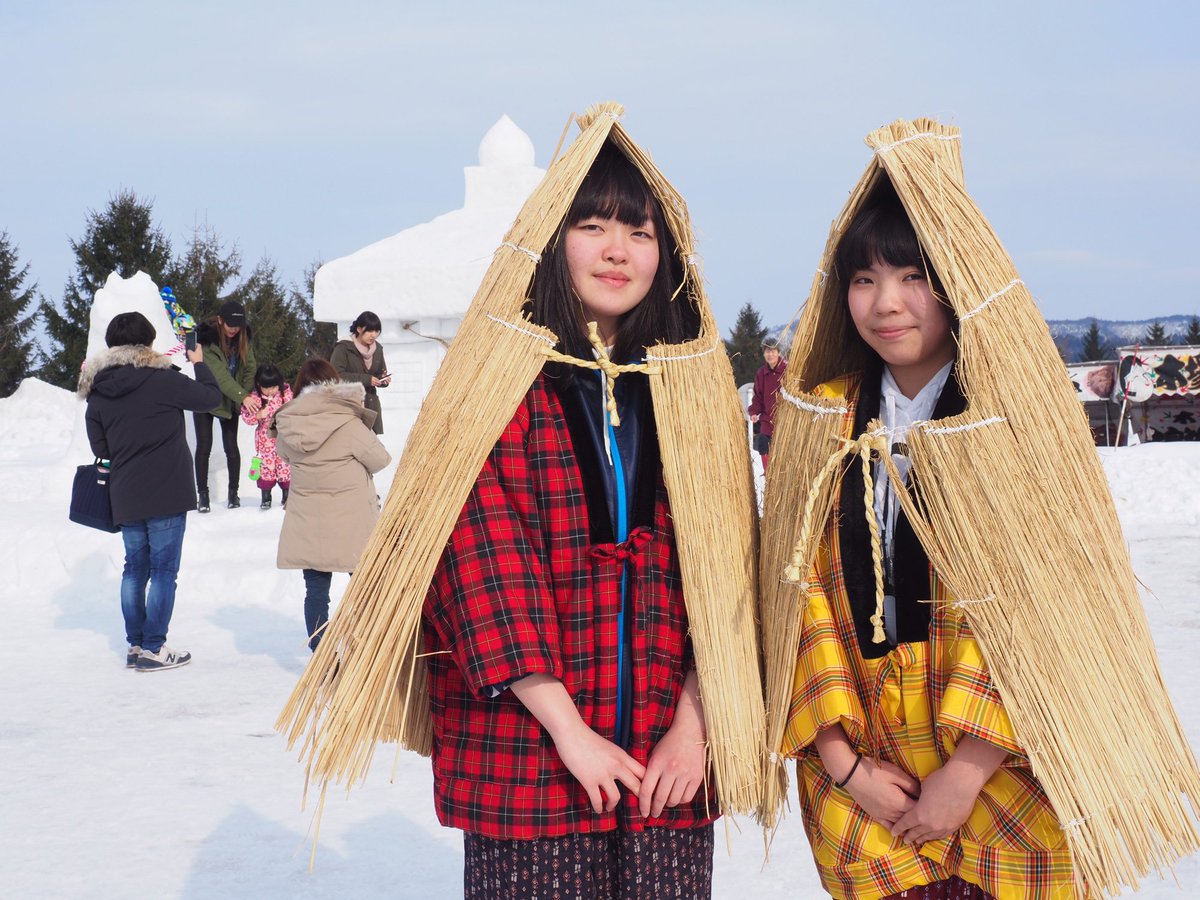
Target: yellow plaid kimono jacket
(911, 707)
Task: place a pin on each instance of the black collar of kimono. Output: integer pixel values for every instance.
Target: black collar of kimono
(911, 570)
(579, 392)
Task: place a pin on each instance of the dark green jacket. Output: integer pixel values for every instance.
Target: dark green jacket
(233, 388)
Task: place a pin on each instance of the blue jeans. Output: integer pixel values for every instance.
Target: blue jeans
(152, 551)
(316, 603)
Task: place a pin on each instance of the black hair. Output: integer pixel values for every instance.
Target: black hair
(614, 188)
(129, 329)
(267, 375)
(367, 321)
(882, 232)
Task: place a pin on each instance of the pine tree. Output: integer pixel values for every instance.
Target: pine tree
(1156, 335)
(278, 335)
(745, 344)
(201, 276)
(319, 336)
(16, 318)
(1192, 335)
(121, 239)
(1094, 348)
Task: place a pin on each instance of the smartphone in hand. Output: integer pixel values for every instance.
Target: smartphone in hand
(189, 340)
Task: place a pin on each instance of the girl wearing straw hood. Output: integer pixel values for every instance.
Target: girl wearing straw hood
(925, 577)
(556, 615)
(876, 789)
(549, 606)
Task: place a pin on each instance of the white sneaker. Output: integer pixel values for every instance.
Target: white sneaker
(131, 656)
(165, 658)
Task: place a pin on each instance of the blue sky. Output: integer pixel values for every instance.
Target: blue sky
(305, 130)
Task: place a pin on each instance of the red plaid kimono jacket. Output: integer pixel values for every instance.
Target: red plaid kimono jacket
(524, 587)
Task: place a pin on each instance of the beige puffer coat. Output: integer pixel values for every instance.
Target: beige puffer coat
(326, 435)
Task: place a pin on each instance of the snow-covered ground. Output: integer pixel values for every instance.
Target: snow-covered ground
(175, 784)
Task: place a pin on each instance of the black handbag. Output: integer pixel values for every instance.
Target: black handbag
(90, 504)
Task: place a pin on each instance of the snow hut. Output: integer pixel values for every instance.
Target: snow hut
(421, 281)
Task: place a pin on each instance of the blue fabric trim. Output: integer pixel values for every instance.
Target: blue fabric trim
(622, 528)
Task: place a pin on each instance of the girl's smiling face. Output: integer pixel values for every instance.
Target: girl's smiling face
(612, 266)
(897, 314)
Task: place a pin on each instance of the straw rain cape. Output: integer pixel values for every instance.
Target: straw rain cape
(366, 683)
(1015, 514)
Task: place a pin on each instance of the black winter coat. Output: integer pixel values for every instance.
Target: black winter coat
(135, 404)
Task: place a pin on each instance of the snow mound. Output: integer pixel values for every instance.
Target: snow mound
(39, 422)
(1155, 487)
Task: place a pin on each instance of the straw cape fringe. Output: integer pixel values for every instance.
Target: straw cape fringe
(366, 682)
(1019, 516)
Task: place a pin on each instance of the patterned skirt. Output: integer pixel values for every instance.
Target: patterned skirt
(631, 865)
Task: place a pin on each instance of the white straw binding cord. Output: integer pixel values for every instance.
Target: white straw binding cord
(535, 256)
(1000, 293)
(518, 328)
(959, 429)
(651, 357)
(924, 135)
(812, 407)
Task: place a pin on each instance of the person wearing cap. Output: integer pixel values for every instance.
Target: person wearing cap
(225, 340)
(766, 387)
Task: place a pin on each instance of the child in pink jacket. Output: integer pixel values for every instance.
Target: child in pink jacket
(272, 393)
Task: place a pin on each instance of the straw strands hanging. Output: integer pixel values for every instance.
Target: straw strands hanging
(1015, 514)
(367, 683)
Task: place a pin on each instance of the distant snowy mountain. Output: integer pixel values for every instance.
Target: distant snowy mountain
(1068, 333)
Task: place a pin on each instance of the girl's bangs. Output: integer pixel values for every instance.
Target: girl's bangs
(882, 233)
(613, 189)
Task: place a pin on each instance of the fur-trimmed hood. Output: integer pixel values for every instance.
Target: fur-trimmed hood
(321, 409)
(98, 373)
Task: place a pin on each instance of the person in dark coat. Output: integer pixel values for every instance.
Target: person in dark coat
(766, 390)
(361, 359)
(135, 403)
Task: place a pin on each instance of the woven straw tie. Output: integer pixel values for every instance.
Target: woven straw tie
(605, 365)
(868, 442)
